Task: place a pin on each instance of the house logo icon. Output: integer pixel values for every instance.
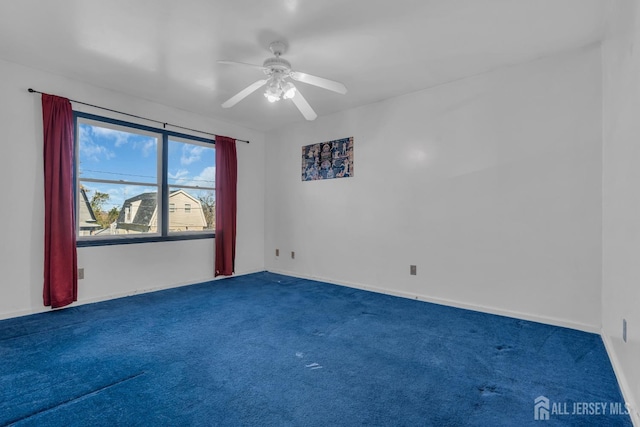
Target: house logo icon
(541, 408)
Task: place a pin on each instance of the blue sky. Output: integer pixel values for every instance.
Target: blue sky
(115, 155)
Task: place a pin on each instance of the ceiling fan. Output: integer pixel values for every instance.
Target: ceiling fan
(277, 71)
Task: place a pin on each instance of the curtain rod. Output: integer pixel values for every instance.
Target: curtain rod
(164, 124)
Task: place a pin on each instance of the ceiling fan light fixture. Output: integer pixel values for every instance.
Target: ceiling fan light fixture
(289, 90)
(273, 91)
(271, 98)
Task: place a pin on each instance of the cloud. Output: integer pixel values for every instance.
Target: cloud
(146, 145)
(180, 177)
(149, 147)
(190, 154)
(206, 178)
(118, 137)
(91, 150)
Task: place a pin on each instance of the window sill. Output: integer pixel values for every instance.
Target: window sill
(85, 243)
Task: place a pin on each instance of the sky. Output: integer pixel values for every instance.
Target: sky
(114, 155)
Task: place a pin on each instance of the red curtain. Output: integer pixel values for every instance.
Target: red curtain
(226, 191)
(60, 258)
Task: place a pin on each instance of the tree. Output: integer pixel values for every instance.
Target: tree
(98, 200)
(208, 202)
(97, 205)
(112, 215)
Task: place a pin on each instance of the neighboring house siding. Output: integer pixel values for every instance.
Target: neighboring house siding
(139, 214)
(185, 218)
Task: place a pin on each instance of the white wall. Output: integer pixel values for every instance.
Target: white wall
(621, 194)
(109, 270)
(490, 185)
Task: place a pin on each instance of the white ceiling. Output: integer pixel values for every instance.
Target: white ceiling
(166, 50)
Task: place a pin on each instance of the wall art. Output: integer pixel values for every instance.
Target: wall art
(328, 160)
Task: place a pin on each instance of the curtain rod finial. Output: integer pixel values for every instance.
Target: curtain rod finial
(31, 90)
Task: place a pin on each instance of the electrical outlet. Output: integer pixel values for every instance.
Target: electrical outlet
(293, 255)
(624, 330)
(413, 270)
(80, 273)
(277, 252)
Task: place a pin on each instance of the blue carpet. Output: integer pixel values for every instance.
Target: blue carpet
(266, 349)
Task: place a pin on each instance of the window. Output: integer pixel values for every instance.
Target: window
(131, 181)
(191, 182)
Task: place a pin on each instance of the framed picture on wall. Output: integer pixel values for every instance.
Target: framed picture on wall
(328, 160)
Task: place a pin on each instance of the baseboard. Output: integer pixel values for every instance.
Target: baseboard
(37, 310)
(622, 381)
(426, 298)
(160, 288)
(452, 303)
(20, 313)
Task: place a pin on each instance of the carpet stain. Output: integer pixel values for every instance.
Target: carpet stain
(503, 347)
(488, 390)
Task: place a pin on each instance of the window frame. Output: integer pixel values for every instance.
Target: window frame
(162, 182)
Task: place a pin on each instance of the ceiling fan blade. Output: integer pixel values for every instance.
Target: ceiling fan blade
(304, 106)
(243, 93)
(259, 67)
(319, 81)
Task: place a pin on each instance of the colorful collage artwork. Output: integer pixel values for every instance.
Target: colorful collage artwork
(328, 160)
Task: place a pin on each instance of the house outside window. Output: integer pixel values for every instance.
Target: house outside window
(130, 178)
(194, 192)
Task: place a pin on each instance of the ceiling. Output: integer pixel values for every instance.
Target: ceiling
(166, 51)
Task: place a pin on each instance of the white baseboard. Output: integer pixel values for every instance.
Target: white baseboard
(158, 288)
(20, 313)
(426, 298)
(36, 310)
(622, 381)
(452, 303)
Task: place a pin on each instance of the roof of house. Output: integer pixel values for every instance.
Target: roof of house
(146, 209)
(86, 216)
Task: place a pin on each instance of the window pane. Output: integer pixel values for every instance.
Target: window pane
(116, 209)
(119, 174)
(195, 210)
(107, 153)
(191, 164)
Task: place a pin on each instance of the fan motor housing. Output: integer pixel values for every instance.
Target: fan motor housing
(277, 64)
